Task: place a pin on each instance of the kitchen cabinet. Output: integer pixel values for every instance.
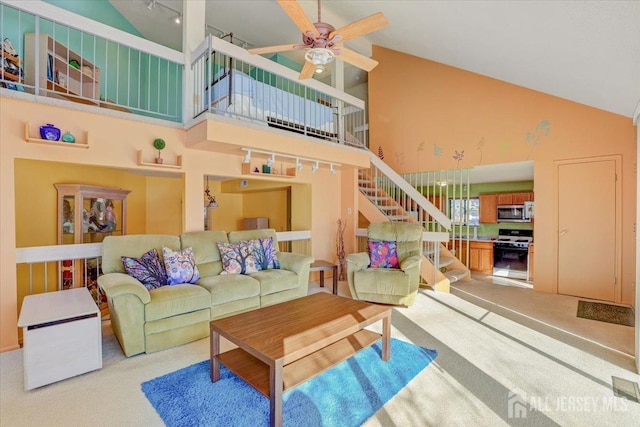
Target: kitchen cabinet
(504, 199)
(459, 249)
(488, 209)
(520, 198)
(481, 256)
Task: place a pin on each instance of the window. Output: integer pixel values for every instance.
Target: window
(465, 211)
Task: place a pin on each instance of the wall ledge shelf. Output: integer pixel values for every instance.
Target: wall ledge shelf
(247, 169)
(141, 162)
(59, 143)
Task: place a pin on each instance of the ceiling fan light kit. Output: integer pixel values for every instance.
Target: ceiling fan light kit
(321, 40)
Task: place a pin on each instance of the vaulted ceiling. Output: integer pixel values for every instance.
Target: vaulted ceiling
(585, 51)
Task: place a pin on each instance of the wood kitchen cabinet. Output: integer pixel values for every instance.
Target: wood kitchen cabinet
(520, 198)
(504, 199)
(481, 256)
(488, 209)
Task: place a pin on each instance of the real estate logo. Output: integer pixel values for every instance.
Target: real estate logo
(517, 404)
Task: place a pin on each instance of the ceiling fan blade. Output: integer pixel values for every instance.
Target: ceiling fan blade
(272, 49)
(297, 15)
(354, 58)
(307, 70)
(364, 26)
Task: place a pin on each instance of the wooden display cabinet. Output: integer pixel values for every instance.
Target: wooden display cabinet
(87, 214)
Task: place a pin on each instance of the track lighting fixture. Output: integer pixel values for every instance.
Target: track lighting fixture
(151, 4)
(271, 160)
(178, 19)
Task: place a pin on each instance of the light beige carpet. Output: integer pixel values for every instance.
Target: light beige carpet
(490, 368)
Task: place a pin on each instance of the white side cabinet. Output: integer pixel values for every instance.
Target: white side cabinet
(61, 334)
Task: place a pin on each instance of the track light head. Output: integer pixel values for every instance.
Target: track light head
(333, 171)
(151, 5)
(271, 160)
(299, 165)
(178, 19)
(247, 157)
(315, 167)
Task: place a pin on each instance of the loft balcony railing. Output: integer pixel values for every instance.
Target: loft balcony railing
(88, 63)
(230, 81)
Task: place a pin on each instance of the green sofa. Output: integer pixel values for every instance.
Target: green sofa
(147, 321)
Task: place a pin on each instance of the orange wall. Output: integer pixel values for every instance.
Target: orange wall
(114, 141)
(429, 116)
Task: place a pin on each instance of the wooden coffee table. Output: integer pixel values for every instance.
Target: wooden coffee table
(286, 344)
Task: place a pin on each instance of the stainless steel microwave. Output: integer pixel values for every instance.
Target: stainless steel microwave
(514, 213)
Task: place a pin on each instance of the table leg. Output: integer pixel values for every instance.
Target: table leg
(275, 394)
(214, 339)
(386, 338)
(322, 278)
(335, 280)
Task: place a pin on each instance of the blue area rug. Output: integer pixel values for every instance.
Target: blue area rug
(345, 395)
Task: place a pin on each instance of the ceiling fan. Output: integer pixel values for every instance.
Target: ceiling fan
(323, 42)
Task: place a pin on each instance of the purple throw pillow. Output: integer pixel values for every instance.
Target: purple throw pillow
(383, 254)
(180, 265)
(237, 258)
(265, 253)
(148, 269)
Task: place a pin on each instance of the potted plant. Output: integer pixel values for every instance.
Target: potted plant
(159, 145)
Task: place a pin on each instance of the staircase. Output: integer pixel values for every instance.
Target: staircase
(398, 200)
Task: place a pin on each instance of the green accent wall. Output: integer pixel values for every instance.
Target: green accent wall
(98, 10)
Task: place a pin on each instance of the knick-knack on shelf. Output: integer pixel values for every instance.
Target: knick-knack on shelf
(159, 145)
(67, 137)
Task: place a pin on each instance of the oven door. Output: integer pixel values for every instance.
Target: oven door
(510, 261)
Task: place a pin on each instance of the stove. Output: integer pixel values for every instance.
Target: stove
(511, 253)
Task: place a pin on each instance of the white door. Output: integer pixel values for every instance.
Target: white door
(587, 229)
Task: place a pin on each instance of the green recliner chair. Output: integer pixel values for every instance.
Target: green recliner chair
(398, 285)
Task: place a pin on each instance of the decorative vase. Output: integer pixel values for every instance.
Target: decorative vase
(266, 169)
(50, 132)
(67, 137)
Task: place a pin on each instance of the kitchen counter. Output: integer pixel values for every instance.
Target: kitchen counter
(477, 239)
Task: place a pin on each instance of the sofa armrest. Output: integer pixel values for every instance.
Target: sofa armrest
(357, 261)
(294, 262)
(114, 284)
(410, 262)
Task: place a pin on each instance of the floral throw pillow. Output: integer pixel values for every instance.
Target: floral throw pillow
(237, 258)
(148, 269)
(180, 265)
(383, 254)
(265, 253)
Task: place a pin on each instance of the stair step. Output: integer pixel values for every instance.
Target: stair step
(456, 274)
(368, 189)
(374, 197)
(403, 218)
(364, 181)
(446, 260)
(389, 207)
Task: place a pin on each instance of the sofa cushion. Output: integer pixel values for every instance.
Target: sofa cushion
(180, 265)
(170, 301)
(205, 250)
(385, 281)
(148, 269)
(132, 245)
(237, 258)
(229, 287)
(272, 281)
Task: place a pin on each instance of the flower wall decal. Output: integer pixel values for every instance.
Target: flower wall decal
(457, 157)
(540, 131)
(479, 147)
